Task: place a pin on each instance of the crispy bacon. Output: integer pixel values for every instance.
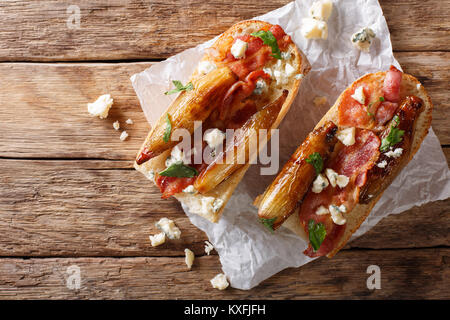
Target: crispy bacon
(251, 63)
(391, 85)
(172, 185)
(256, 55)
(254, 43)
(385, 112)
(352, 161)
(241, 90)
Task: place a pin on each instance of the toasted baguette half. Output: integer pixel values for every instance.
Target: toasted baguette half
(409, 86)
(225, 189)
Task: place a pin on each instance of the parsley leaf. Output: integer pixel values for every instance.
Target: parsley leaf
(168, 131)
(381, 99)
(268, 223)
(179, 87)
(179, 170)
(269, 39)
(316, 161)
(317, 234)
(394, 136)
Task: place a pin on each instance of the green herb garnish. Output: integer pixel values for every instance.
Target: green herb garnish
(394, 136)
(317, 234)
(168, 131)
(179, 87)
(268, 223)
(316, 161)
(269, 39)
(381, 99)
(179, 170)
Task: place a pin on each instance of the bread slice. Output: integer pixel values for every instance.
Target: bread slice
(409, 86)
(225, 189)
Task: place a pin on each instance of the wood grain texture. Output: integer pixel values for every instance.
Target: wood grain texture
(106, 208)
(407, 274)
(43, 106)
(69, 194)
(116, 29)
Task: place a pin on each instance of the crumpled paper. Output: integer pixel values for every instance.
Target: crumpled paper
(248, 252)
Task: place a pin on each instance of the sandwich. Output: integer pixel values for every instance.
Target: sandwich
(335, 177)
(245, 82)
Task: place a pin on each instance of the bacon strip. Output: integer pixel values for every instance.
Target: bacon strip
(385, 112)
(172, 185)
(241, 90)
(391, 85)
(352, 161)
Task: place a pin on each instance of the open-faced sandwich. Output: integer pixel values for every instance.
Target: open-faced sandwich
(247, 80)
(336, 176)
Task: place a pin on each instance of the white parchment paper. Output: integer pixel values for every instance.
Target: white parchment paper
(248, 252)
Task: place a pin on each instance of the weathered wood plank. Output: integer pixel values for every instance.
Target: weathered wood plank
(43, 106)
(113, 30)
(106, 208)
(436, 80)
(44, 110)
(405, 274)
(427, 18)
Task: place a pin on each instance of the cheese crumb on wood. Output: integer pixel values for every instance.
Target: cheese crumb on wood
(158, 239)
(116, 125)
(189, 258)
(101, 106)
(169, 228)
(220, 282)
(129, 121)
(123, 136)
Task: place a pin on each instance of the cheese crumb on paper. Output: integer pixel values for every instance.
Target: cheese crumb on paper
(320, 101)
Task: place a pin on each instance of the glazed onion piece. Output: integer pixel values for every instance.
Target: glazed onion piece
(189, 106)
(289, 187)
(403, 121)
(226, 162)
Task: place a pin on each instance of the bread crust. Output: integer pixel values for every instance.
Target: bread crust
(225, 189)
(409, 86)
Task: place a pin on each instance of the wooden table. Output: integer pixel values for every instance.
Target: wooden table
(69, 194)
